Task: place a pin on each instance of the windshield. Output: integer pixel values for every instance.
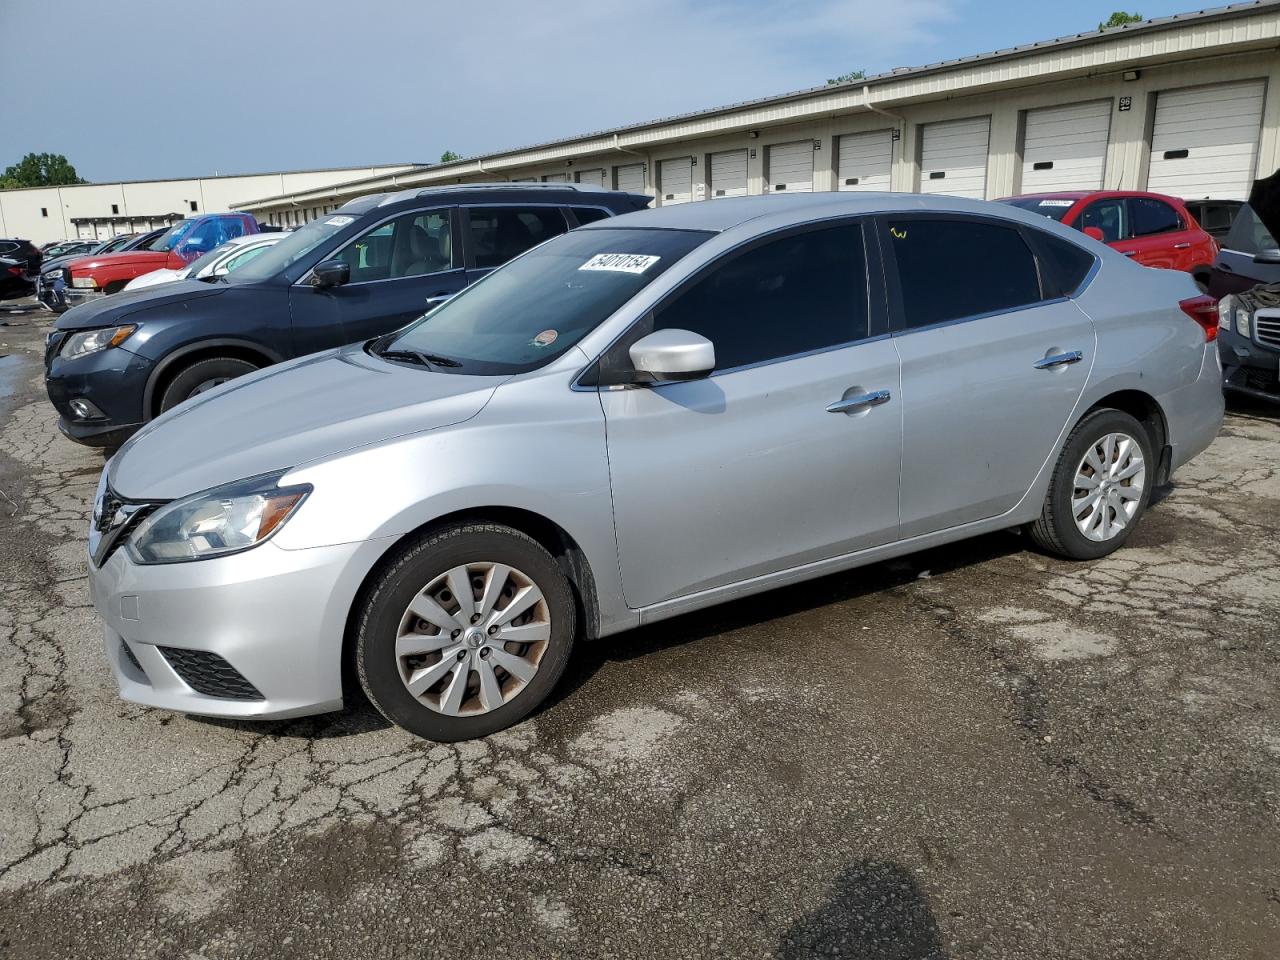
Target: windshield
(293, 247)
(207, 260)
(1249, 234)
(535, 308)
(172, 237)
(1051, 207)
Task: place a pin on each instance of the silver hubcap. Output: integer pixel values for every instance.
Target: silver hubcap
(209, 385)
(472, 639)
(1108, 486)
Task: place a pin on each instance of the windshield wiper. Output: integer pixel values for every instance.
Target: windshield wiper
(428, 360)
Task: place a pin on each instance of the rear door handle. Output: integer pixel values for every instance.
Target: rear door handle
(872, 399)
(1182, 246)
(1059, 360)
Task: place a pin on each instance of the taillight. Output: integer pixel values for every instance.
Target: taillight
(1204, 311)
(16, 271)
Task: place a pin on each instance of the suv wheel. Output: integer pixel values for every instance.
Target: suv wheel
(465, 632)
(201, 376)
(1100, 488)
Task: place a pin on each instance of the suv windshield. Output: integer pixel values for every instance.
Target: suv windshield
(1249, 234)
(1051, 207)
(293, 247)
(173, 236)
(532, 310)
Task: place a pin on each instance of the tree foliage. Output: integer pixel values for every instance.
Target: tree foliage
(39, 170)
(449, 156)
(847, 77)
(1120, 19)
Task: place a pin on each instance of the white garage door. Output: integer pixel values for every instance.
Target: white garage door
(1204, 142)
(555, 178)
(629, 177)
(1065, 148)
(729, 174)
(953, 157)
(675, 180)
(865, 161)
(790, 167)
(593, 177)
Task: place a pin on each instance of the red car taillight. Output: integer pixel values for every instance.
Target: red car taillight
(1204, 311)
(16, 271)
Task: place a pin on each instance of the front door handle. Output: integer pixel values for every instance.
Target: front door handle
(1131, 253)
(872, 399)
(1059, 360)
(1182, 246)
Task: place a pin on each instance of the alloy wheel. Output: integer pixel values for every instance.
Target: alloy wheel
(1109, 482)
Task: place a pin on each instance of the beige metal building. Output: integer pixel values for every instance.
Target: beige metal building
(1187, 105)
(101, 210)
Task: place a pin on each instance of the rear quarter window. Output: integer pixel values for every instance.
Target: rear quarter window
(1063, 265)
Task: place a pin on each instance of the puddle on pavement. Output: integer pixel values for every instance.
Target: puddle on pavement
(9, 365)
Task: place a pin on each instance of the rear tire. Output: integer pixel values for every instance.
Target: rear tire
(1100, 488)
(449, 673)
(201, 376)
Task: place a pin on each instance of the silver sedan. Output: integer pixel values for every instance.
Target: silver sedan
(643, 417)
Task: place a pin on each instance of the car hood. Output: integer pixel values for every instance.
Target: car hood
(288, 415)
(105, 311)
(82, 263)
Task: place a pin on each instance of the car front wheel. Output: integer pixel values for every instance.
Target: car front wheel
(1100, 488)
(465, 632)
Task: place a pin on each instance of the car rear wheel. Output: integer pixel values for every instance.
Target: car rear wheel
(1100, 488)
(201, 376)
(465, 632)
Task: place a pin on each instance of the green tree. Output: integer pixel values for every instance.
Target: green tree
(1119, 19)
(449, 156)
(39, 170)
(847, 77)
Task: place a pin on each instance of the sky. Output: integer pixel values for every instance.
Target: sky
(145, 89)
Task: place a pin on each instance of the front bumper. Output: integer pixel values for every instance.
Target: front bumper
(55, 293)
(113, 380)
(1249, 368)
(275, 617)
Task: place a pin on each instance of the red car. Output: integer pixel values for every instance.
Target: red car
(175, 248)
(1155, 230)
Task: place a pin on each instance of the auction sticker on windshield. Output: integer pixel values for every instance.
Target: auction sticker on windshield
(620, 262)
(339, 221)
(1057, 203)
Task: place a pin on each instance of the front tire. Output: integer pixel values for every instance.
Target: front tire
(465, 632)
(1100, 488)
(201, 376)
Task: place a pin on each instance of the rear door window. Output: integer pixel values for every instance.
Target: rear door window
(957, 268)
(1248, 234)
(498, 234)
(1149, 217)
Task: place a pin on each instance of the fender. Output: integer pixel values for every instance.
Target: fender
(198, 346)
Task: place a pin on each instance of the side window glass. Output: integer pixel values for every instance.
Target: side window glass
(1064, 264)
(951, 269)
(1109, 216)
(587, 215)
(1153, 216)
(240, 260)
(1249, 234)
(408, 246)
(784, 297)
(497, 234)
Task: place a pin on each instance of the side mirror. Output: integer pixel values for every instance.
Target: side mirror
(330, 273)
(1267, 256)
(1096, 233)
(667, 356)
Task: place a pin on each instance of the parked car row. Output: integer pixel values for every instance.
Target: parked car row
(442, 483)
(54, 276)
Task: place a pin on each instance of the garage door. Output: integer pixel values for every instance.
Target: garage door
(790, 167)
(555, 178)
(629, 177)
(953, 157)
(729, 174)
(865, 160)
(1204, 142)
(1065, 148)
(593, 177)
(675, 180)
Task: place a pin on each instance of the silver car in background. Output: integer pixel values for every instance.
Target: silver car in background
(643, 417)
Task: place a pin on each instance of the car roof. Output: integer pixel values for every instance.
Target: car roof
(551, 193)
(778, 210)
(1093, 195)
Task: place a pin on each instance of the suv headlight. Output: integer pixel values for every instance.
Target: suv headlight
(91, 341)
(1226, 307)
(217, 522)
(1242, 321)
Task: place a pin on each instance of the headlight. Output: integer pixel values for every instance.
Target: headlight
(1242, 321)
(85, 283)
(91, 341)
(1226, 307)
(217, 522)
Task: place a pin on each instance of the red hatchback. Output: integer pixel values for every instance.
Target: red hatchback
(1155, 230)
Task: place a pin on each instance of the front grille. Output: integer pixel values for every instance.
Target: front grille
(1267, 330)
(1264, 380)
(210, 674)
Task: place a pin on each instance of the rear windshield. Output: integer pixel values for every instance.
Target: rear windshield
(1050, 207)
(532, 310)
(293, 247)
(1248, 234)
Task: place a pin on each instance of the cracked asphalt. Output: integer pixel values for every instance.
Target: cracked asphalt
(977, 751)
